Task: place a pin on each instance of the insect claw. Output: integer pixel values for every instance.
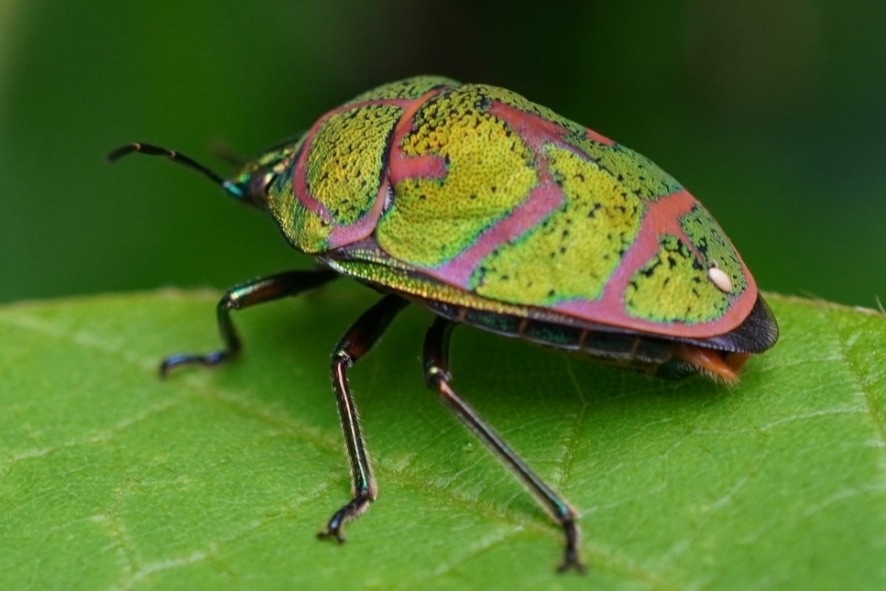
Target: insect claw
(209, 360)
(572, 565)
(571, 561)
(325, 534)
(331, 532)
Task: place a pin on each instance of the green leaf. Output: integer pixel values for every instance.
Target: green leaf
(111, 478)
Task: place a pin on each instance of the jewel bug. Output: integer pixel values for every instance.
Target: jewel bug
(492, 211)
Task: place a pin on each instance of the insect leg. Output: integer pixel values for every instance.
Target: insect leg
(436, 367)
(356, 342)
(257, 291)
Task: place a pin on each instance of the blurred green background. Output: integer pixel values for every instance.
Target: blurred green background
(772, 113)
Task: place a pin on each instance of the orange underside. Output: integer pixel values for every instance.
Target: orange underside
(718, 364)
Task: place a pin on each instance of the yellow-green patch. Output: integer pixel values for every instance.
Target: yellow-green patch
(572, 253)
(304, 229)
(489, 172)
(346, 160)
(637, 173)
(523, 104)
(711, 241)
(674, 287)
(410, 88)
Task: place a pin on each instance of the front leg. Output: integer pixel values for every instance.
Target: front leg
(257, 291)
(356, 342)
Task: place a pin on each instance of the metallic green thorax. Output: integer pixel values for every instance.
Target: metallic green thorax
(474, 196)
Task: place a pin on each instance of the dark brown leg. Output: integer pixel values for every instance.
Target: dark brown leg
(358, 340)
(242, 296)
(436, 366)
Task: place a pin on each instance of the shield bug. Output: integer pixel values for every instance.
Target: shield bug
(492, 211)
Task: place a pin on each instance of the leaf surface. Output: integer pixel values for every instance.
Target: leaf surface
(111, 478)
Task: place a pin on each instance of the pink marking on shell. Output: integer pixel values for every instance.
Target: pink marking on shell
(364, 227)
(662, 217)
(534, 130)
(300, 179)
(599, 138)
(544, 198)
(403, 167)
(541, 200)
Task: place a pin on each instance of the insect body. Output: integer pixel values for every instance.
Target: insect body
(492, 211)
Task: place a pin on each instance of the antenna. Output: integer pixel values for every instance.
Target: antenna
(151, 150)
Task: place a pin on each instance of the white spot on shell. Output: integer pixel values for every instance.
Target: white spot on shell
(720, 279)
